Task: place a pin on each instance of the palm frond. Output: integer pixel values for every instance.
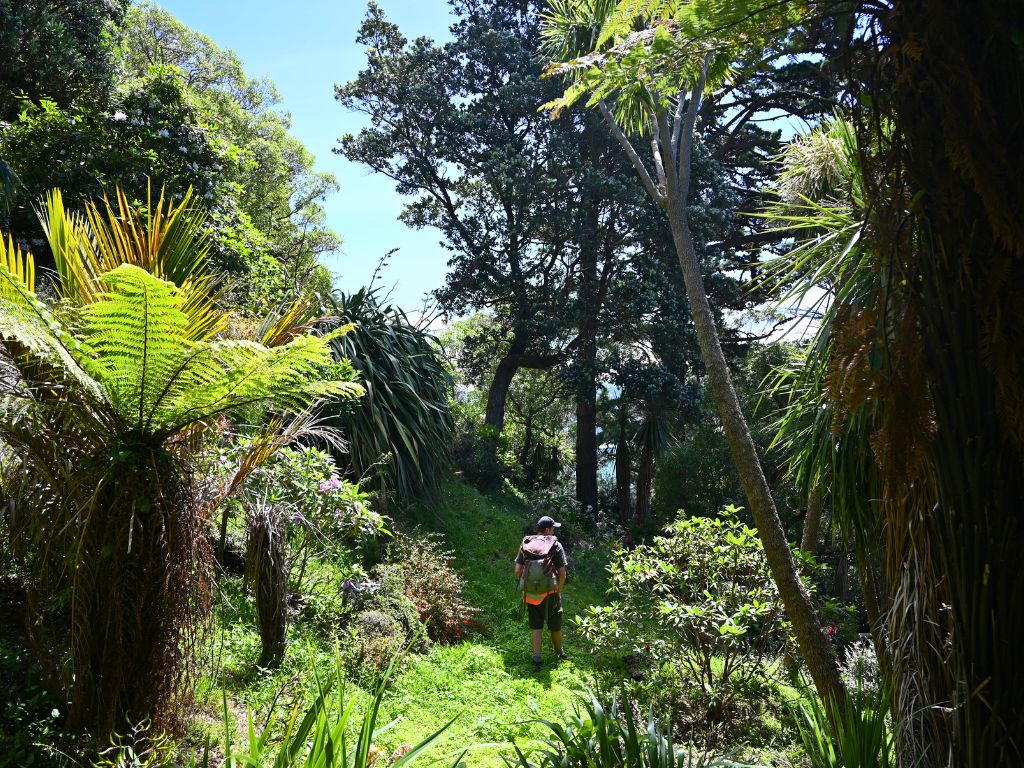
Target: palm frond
(20, 264)
(168, 240)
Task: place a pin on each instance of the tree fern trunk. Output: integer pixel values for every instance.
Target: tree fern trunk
(267, 570)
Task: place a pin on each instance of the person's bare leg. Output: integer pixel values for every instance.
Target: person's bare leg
(537, 634)
(556, 640)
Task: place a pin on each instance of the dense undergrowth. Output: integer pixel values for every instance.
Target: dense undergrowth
(486, 678)
(483, 679)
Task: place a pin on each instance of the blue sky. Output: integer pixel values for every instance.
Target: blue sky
(305, 47)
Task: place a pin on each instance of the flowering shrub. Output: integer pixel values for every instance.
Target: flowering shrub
(434, 586)
(321, 508)
(700, 598)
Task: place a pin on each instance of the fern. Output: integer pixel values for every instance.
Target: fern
(100, 406)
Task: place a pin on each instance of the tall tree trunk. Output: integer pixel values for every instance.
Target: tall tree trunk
(813, 642)
(624, 475)
(586, 359)
(586, 450)
(672, 148)
(812, 522)
(955, 82)
(644, 484)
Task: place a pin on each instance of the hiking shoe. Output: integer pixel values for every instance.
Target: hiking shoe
(537, 664)
(562, 655)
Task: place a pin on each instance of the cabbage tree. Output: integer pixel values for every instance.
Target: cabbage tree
(647, 66)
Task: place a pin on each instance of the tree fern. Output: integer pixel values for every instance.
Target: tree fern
(168, 241)
(101, 401)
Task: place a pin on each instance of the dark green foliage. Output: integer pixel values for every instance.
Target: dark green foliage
(173, 109)
(62, 51)
(400, 434)
(696, 474)
(149, 134)
(700, 599)
(269, 194)
(477, 454)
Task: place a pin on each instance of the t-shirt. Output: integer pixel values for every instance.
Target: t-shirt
(558, 557)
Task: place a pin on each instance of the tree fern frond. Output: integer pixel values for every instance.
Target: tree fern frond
(32, 339)
(628, 13)
(139, 337)
(168, 241)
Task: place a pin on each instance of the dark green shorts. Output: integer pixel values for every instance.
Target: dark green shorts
(548, 612)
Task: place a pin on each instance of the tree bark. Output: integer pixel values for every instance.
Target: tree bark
(812, 522)
(672, 145)
(586, 451)
(508, 366)
(586, 358)
(497, 394)
(644, 484)
(814, 644)
(623, 475)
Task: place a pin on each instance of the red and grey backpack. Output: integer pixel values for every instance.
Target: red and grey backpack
(540, 576)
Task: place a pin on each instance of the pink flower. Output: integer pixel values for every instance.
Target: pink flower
(332, 484)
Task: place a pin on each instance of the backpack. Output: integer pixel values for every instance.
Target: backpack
(539, 577)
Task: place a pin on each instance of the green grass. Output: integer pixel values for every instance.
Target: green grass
(488, 679)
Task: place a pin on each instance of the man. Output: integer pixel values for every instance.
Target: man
(547, 608)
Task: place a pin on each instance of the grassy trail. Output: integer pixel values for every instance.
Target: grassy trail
(489, 679)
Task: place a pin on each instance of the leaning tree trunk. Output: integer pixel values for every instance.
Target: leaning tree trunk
(501, 381)
(672, 149)
(267, 571)
(813, 641)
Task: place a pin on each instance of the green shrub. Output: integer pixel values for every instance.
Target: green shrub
(477, 453)
(610, 737)
(700, 599)
(378, 639)
(430, 580)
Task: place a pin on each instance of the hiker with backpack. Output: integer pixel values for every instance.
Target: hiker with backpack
(540, 573)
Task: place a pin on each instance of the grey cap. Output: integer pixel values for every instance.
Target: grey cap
(547, 522)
